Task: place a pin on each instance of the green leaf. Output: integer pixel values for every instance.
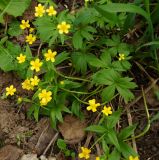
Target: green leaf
(108, 93)
(46, 28)
(126, 132)
(13, 7)
(61, 144)
(126, 150)
(61, 57)
(36, 112)
(113, 138)
(105, 76)
(96, 128)
(115, 155)
(14, 29)
(77, 40)
(113, 119)
(75, 108)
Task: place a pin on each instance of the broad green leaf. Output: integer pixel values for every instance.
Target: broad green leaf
(126, 150)
(115, 155)
(105, 147)
(97, 129)
(126, 132)
(14, 29)
(13, 7)
(75, 108)
(113, 138)
(77, 40)
(46, 28)
(113, 119)
(61, 57)
(108, 93)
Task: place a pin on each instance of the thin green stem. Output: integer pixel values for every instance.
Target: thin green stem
(148, 119)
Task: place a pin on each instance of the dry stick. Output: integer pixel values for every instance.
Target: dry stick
(130, 123)
(145, 91)
(39, 49)
(98, 149)
(51, 142)
(90, 135)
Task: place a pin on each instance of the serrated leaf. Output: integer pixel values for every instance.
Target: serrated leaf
(108, 93)
(113, 119)
(77, 40)
(14, 29)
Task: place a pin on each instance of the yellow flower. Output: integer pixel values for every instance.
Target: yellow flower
(35, 65)
(51, 11)
(63, 27)
(31, 30)
(121, 57)
(21, 58)
(24, 24)
(30, 39)
(27, 85)
(93, 105)
(19, 100)
(39, 11)
(97, 158)
(107, 110)
(34, 81)
(133, 158)
(85, 153)
(62, 82)
(10, 90)
(50, 56)
(45, 97)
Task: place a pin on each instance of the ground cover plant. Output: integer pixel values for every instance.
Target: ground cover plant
(80, 61)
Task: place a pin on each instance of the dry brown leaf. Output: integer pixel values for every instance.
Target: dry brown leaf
(72, 129)
(10, 152)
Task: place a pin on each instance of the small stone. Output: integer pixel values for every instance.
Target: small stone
(29, 157)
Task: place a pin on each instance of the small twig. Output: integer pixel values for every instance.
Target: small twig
(130, 124)
(145, 91)
(90, 135)
(51, 142)
(39, 49)
(98, 149)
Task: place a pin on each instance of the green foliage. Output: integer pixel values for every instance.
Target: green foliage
(13, 7)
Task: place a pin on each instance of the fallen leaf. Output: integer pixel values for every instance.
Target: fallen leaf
(72, 129)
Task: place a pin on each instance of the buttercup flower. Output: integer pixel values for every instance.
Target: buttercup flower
(107, 110)
(63, 27)
(21, 58)
(10, 90)
(45, 97)
(24, 24)
(133, 158)
(19, 100)
(85, 153)
(97, 158)
(93, 105)
(34, 81)
(50, 56)
(39, 11)
(62, 82)
(51, 11)
(35, 65)
(27, 85)
(31, 30)
(30, 39)
(121, 57)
